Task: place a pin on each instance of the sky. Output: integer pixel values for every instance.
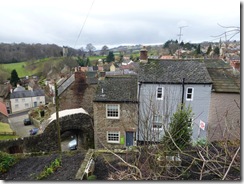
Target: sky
(76, 23)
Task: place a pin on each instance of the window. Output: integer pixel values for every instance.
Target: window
(113, 137)
(16, 99)
(189, 94)
(26, 105)
(157, 121)
(23, 99)
(160, 94)
(16, 106)
(112, 111)
(37, 98)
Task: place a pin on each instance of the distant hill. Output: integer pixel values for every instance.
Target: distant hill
(13, 53)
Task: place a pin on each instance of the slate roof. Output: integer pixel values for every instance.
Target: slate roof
(117, 89)
(27, 93)
(173, 72)
(222, 76)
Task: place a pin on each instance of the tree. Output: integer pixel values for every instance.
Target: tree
(216, 51)
(90, 48)
(179, 133)
(198, 50)
(110, 56)
(209, 49)
(104, 50)
(14, 79)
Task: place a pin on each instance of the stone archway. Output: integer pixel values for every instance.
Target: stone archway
(77, 121)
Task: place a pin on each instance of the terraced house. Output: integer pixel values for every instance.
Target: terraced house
(115, 112)
(22, 99)
(162, 86)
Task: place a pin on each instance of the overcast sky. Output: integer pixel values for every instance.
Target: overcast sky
(115, 22)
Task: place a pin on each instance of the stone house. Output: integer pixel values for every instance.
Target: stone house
(162, 87)
(224, 112)
(115, 112)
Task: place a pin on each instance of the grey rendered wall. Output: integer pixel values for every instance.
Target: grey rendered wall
(172, 98)
(200, 107)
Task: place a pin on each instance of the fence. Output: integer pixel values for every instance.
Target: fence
(7, 133)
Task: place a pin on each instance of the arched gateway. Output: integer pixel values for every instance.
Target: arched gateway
(77, 121)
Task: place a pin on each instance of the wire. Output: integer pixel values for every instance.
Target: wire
(84, 23)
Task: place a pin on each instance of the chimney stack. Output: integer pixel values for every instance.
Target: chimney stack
(143, 55)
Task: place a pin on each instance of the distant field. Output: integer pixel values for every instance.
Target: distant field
(19, 67)
(28, 68)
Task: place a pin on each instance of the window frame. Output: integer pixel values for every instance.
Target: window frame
(162, 93)
(113, 117)
(159, 118)
(187, 93)
(113, 141)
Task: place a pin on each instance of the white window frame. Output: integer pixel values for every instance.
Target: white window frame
(26, 105)
(16, 100)
(113, 132)
(16, 106)
(157, 119)
(23, 99)
(162, 93)
(192, 94)
(112, 117)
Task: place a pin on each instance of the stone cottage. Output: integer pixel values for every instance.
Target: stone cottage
(115, 112)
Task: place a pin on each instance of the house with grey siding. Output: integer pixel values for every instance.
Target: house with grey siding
(115, 112)
(162, 87)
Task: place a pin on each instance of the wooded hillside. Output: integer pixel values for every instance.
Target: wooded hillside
(12, 53)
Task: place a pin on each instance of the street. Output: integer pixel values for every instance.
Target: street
(17, 124)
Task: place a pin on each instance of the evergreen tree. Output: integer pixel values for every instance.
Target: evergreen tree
(216, 51)
(14, 79)
(88, 63)
(110, 56)
(198, 50)
(179, 130)
(209, 49)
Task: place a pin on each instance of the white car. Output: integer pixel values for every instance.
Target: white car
(73, 144)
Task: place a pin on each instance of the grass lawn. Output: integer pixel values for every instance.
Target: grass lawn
(4, 127)
(19, 67)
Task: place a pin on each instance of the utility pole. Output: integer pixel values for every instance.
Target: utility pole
(57, 117)
(180, 39)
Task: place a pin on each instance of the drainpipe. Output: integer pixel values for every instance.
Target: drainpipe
(138, 114)
(183, 91)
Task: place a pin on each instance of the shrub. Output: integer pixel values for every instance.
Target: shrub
(6, 161)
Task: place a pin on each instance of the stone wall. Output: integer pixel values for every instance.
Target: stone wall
(79, 94)
(127, 122)
(47, 141)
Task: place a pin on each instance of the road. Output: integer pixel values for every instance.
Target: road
(17, 124)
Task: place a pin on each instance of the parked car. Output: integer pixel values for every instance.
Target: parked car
(34, 131)
(73, 144)
(27, 121)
